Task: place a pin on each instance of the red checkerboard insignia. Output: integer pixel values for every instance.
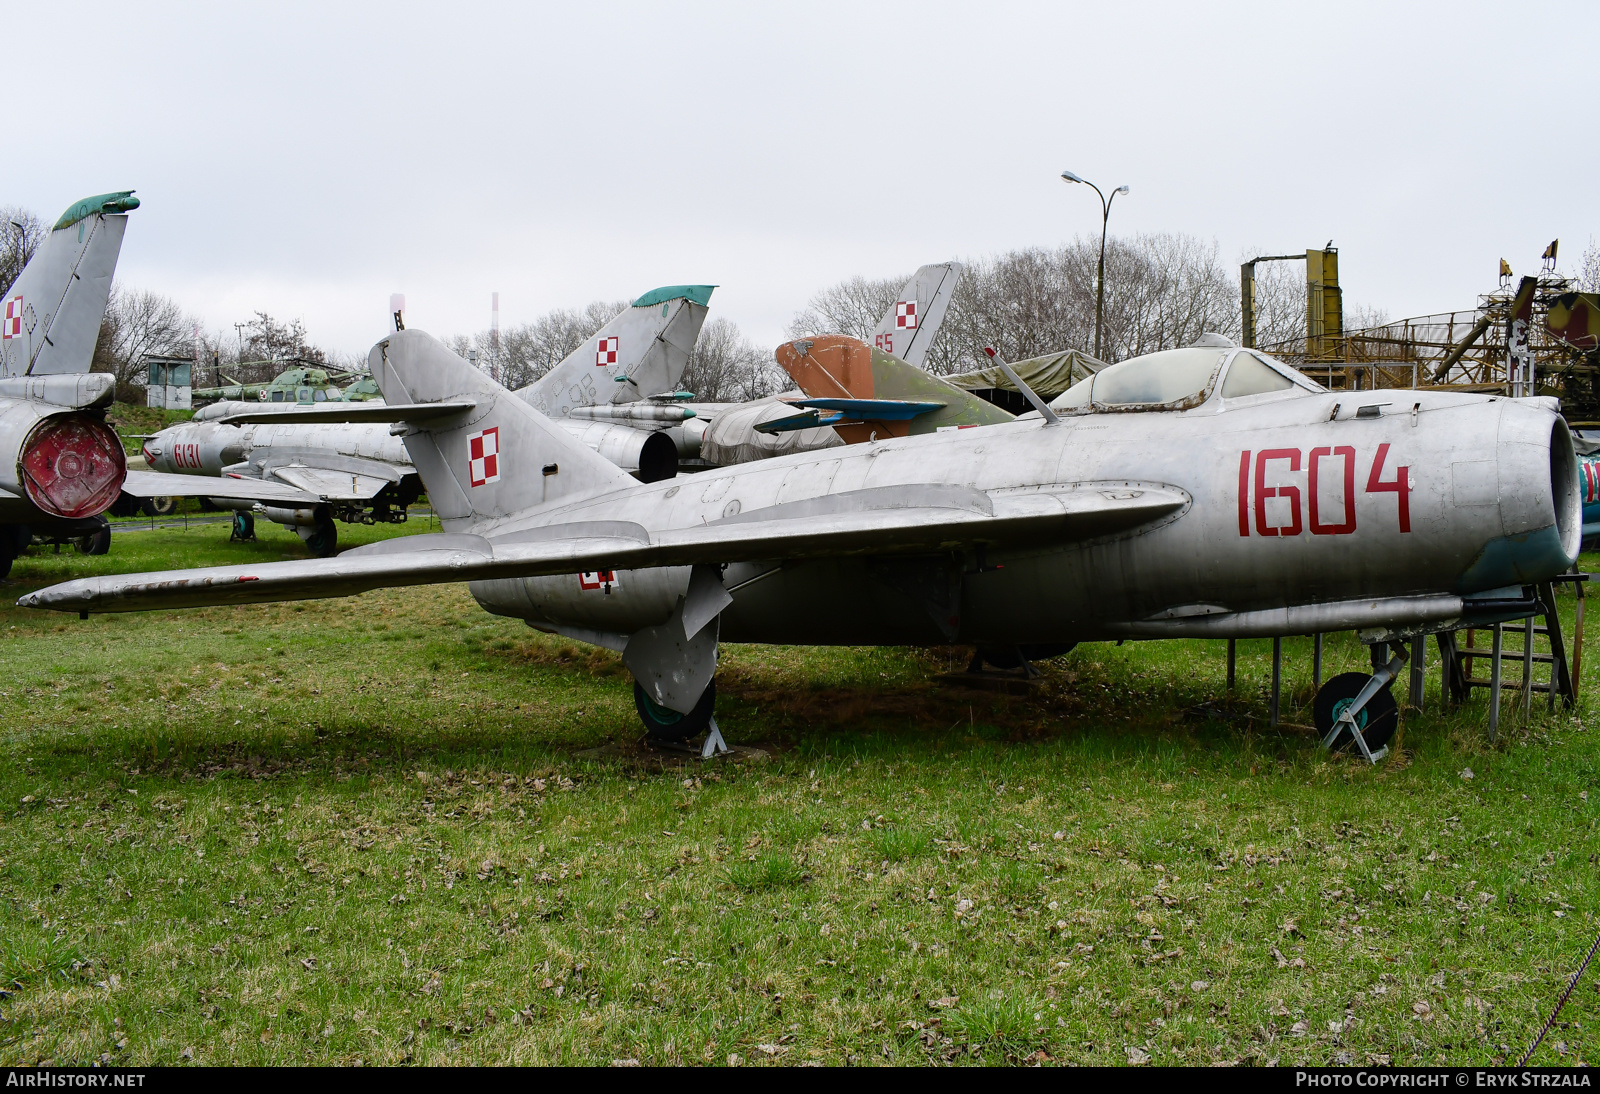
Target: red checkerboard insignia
(905, 315)
(596, 579)
(606, 352)
(13, 326)
(483, 457)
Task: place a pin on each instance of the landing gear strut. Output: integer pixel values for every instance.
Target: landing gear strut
(1355, 707)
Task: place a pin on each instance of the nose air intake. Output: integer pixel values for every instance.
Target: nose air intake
(72, 466)
(1565, 492)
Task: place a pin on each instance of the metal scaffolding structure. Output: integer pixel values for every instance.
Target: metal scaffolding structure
(1465, 351)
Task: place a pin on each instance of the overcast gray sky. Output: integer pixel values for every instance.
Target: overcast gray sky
(310, 159)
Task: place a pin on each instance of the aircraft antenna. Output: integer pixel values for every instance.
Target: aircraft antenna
(1027, 392)
(494, 336)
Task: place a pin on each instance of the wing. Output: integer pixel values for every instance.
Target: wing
(159, 484)
(341, 413)
(874, 521)
(330, 484)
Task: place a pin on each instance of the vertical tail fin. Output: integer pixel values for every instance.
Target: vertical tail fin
(836, 366)
(53, 310)
(642, 352)
(499, 459)
(908, 328)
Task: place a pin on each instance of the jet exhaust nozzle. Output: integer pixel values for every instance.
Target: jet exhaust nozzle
(72, 466)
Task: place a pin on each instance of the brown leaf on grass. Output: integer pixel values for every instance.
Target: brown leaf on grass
(944, 1002)
(309, 963)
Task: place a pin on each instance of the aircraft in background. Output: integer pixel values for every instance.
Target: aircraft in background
(354, 469)
(302, 384)
(61, 465)
(722, 434)
(1204, 492)
(870, 393)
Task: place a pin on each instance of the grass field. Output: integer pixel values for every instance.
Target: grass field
(367, 831)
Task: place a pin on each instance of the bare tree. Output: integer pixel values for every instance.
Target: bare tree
(851, 307)
(1589, 279)
(1162, 291)
(726, 367)
(528, 351)
(20, 235)
(138, 323)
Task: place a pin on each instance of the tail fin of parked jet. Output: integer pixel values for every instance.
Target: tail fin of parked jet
(908, 328)
(53, 309)
(836, 367)
(484, 454)
(642, 352)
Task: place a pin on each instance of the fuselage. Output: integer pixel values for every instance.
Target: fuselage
(1297, 498)
(210, 448)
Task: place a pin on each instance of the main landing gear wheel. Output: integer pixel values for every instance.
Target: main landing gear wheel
(97, 542)
(321, 540)
(1377, 721)
(14, 539)
(244, 527)
(664, 724)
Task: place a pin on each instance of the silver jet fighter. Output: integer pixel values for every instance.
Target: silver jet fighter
(61, 465)
(1201, 492)
(354, 469)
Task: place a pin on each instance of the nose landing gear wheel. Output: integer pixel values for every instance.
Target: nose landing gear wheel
(664, 724)
(1377, 721)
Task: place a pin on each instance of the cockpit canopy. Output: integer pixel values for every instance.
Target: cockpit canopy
(1179, 379)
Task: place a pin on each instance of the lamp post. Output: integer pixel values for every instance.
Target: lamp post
(1105, 218)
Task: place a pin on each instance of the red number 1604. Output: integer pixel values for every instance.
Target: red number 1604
(1277, 461)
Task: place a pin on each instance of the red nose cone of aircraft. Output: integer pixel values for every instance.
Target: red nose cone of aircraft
(73, 466)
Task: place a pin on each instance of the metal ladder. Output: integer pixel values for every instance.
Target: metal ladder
(1458, 658)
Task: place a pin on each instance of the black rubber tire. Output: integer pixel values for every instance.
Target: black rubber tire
(97, 542)
(1378, 719)
(244, 526)
(160, 507)
(661, 724)
(126, 505)
(323, 542)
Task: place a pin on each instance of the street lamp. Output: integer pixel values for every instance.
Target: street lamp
(1105, 217)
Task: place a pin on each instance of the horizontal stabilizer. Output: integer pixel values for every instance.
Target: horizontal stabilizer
(872, 410)
(913, 518)
(158, 484)
(848, 410)
(339, 413)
